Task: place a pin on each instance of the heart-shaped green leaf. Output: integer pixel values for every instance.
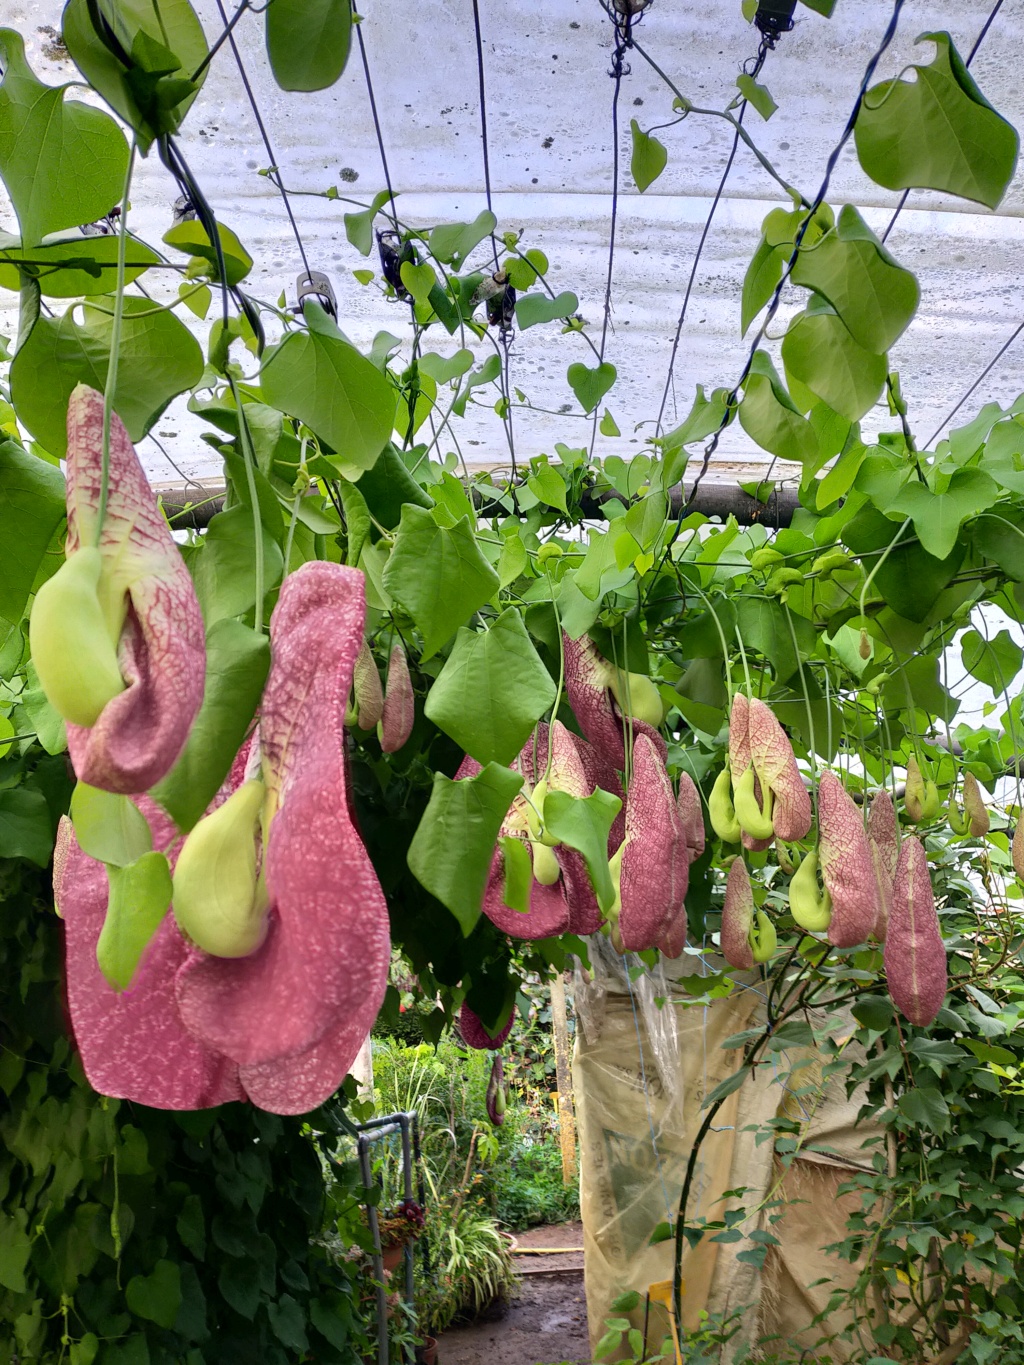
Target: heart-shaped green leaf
(108, 827)
(308, 42)
(63, 162)
(451, 851)
(492, 690)
(936, 132)
(590, 386)
(418, 279)
(140, 895)
(319, 378)
(160, 358)
(539, 308)
(820, 352)
(649, 158)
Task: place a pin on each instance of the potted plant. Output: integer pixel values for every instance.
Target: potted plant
(402, 1224)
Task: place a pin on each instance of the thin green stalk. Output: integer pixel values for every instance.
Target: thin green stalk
(110, 387)
(257, 519)
(561, 681)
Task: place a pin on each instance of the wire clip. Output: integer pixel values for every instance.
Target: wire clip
(314, 284)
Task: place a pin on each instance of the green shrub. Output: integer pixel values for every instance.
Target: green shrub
(133, 1236)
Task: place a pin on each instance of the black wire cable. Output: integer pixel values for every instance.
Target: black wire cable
(773, 305)
(754, 72)
(622, 18)
(981, 377)
(376, 118)
(274, 173)
(970, 58)
(504, 333)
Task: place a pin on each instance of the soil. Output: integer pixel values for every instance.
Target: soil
(547, 1322)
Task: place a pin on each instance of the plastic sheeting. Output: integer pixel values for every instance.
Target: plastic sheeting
(641, 1072)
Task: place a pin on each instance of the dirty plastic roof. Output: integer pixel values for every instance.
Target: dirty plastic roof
(549, 122)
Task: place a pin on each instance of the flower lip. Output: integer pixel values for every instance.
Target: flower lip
(132, 1043)
(139, 734)
(569, 904)
(588, 686)
(772, 756)
(655, 860)
(294, 1014)
(847, 868)
(915, 956)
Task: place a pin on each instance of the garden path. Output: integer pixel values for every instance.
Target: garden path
(547, 1323)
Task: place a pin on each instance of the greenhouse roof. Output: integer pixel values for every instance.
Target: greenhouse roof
(548, 104)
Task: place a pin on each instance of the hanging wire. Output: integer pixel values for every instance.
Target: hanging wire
(505, 333)
(773, 305)
(970, 58)
(980, 379)
(623, 14)
(273, 173)
(753, 71)
(376, 119)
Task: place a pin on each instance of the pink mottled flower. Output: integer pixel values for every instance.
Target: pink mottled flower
(691, 815)
(846, 864)
(139, 734)
(737, 917)
(740, 759)
(588, 686)
(399, 703)
(775, 766)
(132, 1043)
(884, 841)
(294, 1013)
(655, 860)
(915, 957)
(366, 689)
(476, 1036)
(569, 905)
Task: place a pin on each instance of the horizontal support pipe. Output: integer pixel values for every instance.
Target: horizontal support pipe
(191, 508)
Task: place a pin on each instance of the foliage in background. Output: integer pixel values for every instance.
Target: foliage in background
(129, 1236)
(903, 548)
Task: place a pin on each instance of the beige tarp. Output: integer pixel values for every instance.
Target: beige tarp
(640, 1075)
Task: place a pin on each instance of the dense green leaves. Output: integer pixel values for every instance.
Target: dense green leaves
(63, 162)
(318, 377)
(308, 42)
(451, 851)
(142, 59)
(438, 574)
(159, 359)
(492, 690)
(31, 510)
(237, 663)
(936, 132)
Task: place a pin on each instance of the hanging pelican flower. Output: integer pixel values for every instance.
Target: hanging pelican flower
(293, 1011)
(116, 634)
(557, 895)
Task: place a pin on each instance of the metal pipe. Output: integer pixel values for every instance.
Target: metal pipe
(193, 509)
